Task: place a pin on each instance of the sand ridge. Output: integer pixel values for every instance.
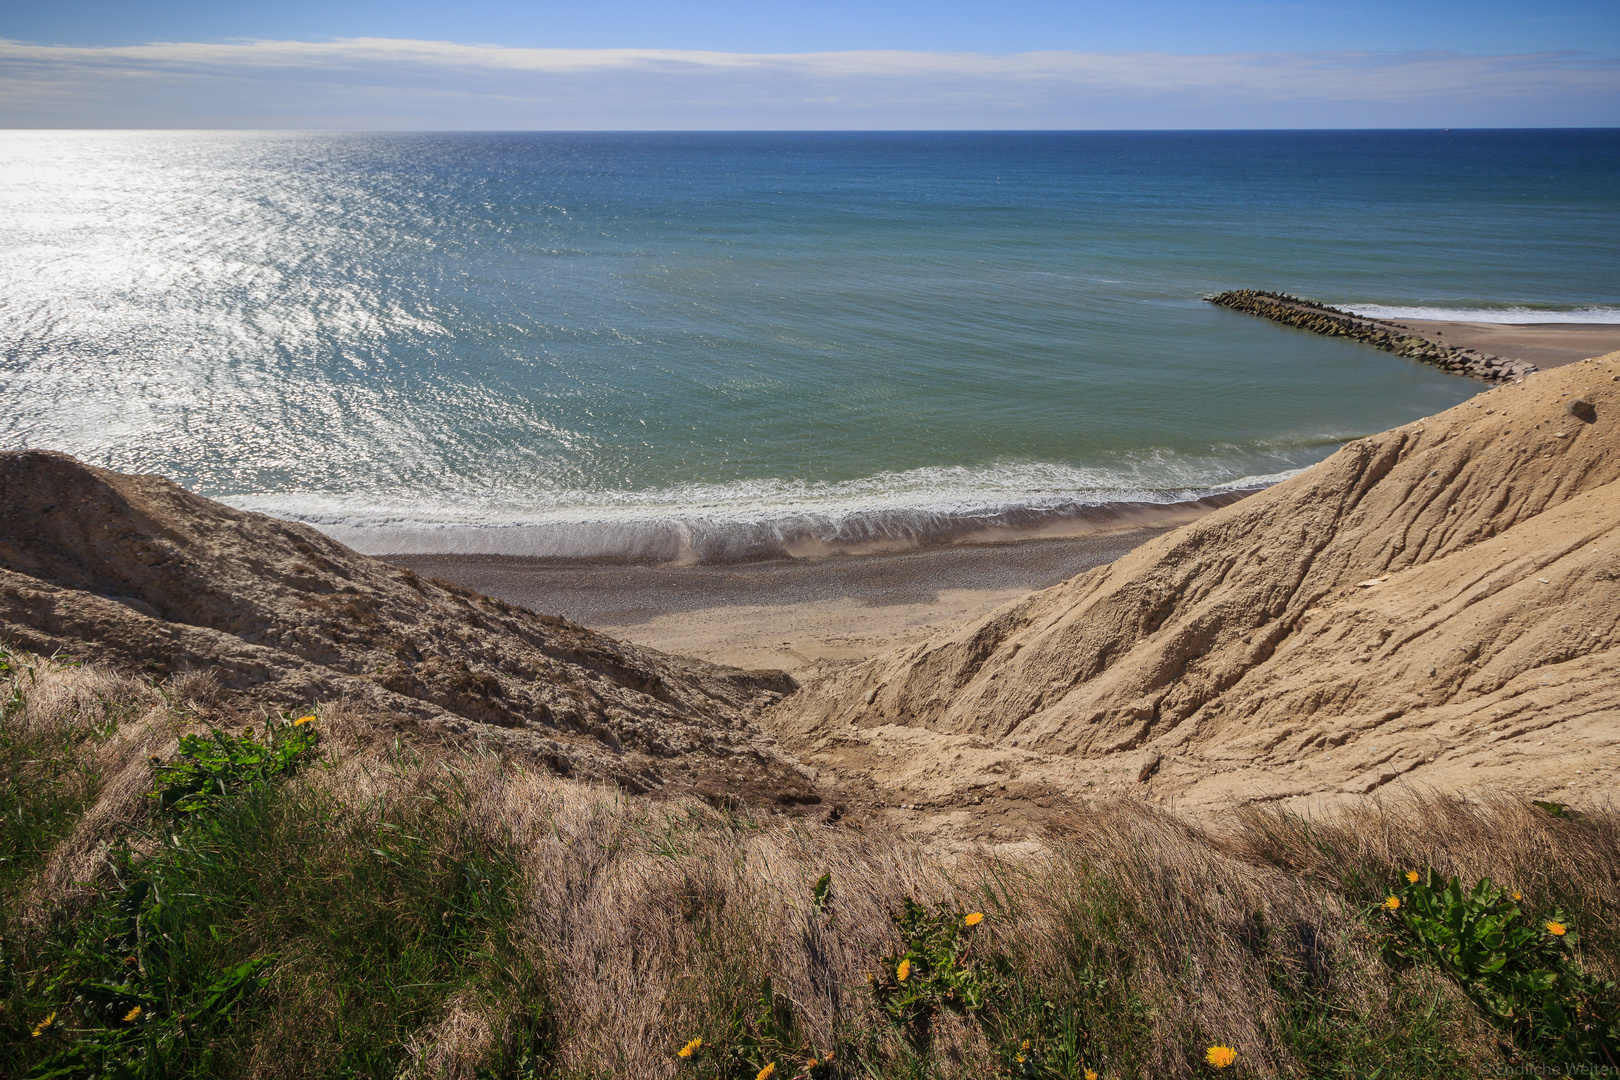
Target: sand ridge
(137, 573)
(1438, 605)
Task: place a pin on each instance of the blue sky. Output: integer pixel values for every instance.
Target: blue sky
(1181, 26)
(725, 64)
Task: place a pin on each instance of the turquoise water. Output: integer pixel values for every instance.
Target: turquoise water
(729, 344)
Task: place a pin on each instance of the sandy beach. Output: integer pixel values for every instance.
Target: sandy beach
(788, 614)
(1547, 345)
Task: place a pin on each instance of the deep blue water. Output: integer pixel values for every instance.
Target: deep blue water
(727, 339)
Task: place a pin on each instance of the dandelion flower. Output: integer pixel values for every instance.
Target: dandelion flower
(974, 919)
(44, 1025)
(689, 1049)
(1391, 903)
(1517, 896)
(1220, 1056)
(133, 1015)
(1020, 1059)
(1556, 929)
(1412, 876)
(1091, 1074)
(303, 720)
(765, 1073)
(903, 970)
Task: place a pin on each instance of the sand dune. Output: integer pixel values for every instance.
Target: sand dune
(1437, 605)
(136, 572)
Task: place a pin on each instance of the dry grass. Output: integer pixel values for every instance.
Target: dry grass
(630, 926)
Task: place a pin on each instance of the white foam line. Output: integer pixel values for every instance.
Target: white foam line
(953, 493)
(1593, 314)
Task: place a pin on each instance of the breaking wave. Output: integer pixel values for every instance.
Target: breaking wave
(774, 518)
(1591, 314)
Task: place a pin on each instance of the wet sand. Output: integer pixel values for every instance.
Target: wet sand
(784, 613)
(1546, 345)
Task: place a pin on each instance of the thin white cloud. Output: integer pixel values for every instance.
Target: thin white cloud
(374, 82)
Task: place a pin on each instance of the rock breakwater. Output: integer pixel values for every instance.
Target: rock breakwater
(1391, 337)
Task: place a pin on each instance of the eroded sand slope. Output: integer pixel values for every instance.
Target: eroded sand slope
(1437, 604)
(137, 572)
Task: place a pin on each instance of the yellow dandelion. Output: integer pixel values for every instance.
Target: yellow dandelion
(1517, 896)
(1556, 929)
(1412, 876)
(689, 1049)
(44, 1025)
(303, 720)
(1220, 1056)
(904, 970)
(765, 1073)
(1091, 1074)
(974, 919)
(133, 1015)
(1020, 1059)
(1391, 903)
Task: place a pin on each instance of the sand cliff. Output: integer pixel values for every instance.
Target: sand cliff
(1436, 605)
(139, 573)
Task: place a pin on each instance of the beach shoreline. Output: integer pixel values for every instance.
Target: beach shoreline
(698, 535)
(791, 614)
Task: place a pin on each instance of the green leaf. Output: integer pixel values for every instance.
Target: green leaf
(821, 897)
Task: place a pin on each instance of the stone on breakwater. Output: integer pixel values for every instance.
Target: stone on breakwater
(1331, 322)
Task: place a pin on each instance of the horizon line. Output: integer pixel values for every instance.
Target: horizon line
(817, 130)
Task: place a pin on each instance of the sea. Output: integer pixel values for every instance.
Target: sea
(703, 347)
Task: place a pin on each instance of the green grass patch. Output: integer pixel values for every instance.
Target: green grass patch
(259, 924)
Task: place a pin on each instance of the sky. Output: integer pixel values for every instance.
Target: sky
(722, 64)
